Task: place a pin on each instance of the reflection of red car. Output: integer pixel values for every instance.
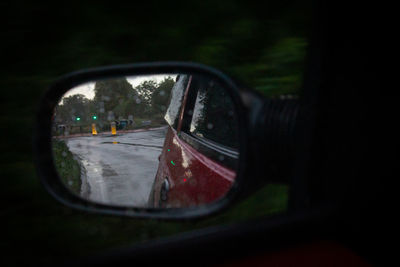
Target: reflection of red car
(200, 152)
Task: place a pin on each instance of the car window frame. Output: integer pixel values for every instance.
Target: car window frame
(177, 122)
(205, 146)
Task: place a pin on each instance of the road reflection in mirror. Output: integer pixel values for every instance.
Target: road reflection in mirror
(167, 140)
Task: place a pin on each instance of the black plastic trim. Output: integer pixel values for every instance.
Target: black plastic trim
(42, 139)
(212, 150)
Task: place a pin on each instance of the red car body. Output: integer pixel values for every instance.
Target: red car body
(192, 170)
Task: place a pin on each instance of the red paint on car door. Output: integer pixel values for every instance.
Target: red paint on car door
(194, 179)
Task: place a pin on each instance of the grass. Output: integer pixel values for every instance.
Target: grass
(269, 200)
(67, 166)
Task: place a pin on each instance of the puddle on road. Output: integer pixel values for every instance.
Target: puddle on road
(131, 144)
(107, 170)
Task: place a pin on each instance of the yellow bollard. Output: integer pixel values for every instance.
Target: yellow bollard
(113, 128)
(94, 131)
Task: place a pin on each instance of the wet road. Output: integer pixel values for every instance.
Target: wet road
(118, 170)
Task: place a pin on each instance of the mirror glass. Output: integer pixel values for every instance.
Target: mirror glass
(151, 141)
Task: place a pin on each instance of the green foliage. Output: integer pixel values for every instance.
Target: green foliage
(115, 99)
(161, 95)
(269, 200)
(67, 167)
(111, 95)
(74, 109)
(284, 67)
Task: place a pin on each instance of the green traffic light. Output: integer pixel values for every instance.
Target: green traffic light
(78, 119)
(95, 117)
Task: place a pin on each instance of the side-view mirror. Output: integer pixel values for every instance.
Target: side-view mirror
(158, 140)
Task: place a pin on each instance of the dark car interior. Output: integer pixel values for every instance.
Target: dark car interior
(333, 145)
(338, 137)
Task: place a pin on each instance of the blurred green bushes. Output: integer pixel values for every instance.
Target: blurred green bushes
(67, 166)
(263, 46)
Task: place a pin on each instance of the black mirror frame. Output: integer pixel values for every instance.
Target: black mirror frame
(43, 150)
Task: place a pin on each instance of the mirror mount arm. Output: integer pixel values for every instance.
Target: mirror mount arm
(272, 124)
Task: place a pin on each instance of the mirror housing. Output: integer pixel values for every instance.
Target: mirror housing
(43, 148)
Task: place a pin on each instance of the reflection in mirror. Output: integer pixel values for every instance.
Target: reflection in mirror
(165, 141)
